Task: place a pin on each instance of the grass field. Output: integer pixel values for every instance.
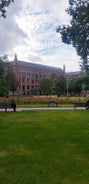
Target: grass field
(44, 147)
(42, 105)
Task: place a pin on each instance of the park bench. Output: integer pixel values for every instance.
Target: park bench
(79, 104)
(7, 106)
(82, 104)
(52, 103)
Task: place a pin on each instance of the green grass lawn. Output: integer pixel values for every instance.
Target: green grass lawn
(42, 105)
(44, 147)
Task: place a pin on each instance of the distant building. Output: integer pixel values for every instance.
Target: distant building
(30, 74)
(72, 75)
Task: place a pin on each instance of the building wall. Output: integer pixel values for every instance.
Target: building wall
(29, 75)
(73, 75)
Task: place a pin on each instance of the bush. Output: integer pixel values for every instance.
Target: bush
(42, 99)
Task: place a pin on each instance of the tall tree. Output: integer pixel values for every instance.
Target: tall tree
(61, 85)
(11, 80)
(1, 69)
(4, 87)
(8, 81)
(46, 86)
(3, 5)
(77, 33)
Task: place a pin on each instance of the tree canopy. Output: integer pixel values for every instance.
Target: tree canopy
(3, 5)
(8, 81)
(77, 33)
(46, 85)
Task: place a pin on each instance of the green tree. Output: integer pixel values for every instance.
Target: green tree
(46, 86)
(75, 86)
(1, 68)
(79, 84)
(61, 85)
(3, 5)
(4, 88)
(8, 81)
(85, 83)
(77, 33)
(11, 80)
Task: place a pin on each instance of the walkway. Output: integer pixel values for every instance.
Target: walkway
(49, 108)
(42, 109)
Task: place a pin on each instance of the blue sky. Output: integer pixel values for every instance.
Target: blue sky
(30, 32)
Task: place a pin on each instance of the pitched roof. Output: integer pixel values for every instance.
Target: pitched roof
(25, 63)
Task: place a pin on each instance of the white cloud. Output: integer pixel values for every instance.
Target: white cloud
(10, 34)
(63, 57)
(30, 31)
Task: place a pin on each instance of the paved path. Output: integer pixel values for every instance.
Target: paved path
(50, 108)
(43, 108)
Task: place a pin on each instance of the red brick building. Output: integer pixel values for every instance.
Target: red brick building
(29, 75)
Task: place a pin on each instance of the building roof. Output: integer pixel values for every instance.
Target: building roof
(25, 63)
(76, 73)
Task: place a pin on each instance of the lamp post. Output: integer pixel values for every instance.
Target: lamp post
(67, 86)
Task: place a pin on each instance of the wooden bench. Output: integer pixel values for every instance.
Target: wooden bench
(79, 104)
(87, 105)
(7, 106)
(52, 103)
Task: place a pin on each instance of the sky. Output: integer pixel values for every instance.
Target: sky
(30, 32)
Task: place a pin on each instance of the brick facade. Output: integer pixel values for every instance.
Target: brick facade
(29, 75)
